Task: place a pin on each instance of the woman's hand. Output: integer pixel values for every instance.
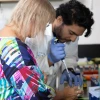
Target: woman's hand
(68, 93)
(71, 93)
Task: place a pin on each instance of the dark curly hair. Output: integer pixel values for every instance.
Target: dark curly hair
(74, 12)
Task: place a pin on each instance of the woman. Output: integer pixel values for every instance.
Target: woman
(20, 76)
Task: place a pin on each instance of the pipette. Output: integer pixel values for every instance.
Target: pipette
(66, 68)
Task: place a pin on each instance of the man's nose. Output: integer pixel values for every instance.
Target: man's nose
(73, 38)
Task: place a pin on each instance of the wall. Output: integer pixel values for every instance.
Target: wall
(5, 12)
(93, 39)
(6, 9)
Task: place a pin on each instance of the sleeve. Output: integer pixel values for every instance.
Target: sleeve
(29, 84)
(44, 66)
(24, 75)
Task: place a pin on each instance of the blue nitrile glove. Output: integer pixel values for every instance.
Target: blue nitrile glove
(57, 51)
(74, 79)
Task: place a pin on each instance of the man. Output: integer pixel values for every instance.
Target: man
(72, 20)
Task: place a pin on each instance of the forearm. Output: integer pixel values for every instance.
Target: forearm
(50, 63)
(43, 65)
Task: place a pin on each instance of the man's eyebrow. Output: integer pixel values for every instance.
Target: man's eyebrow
(73, 32)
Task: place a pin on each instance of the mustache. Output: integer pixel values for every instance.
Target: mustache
(68, 41)
(64, 41)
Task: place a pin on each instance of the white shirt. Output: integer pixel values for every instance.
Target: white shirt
(40, 50)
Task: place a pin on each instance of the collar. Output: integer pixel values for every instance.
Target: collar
(48, 30)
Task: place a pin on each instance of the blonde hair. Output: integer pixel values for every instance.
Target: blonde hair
(32, 16)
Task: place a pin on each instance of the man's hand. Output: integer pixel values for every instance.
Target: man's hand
(74, 79)
(57, 51)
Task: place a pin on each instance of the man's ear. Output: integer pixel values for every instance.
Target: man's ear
(59, 20)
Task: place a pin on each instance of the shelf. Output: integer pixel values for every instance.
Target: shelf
(8, 0)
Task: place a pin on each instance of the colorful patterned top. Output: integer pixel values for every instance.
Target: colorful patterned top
(20, 77)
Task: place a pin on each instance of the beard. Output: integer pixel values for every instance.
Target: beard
(58, 32)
